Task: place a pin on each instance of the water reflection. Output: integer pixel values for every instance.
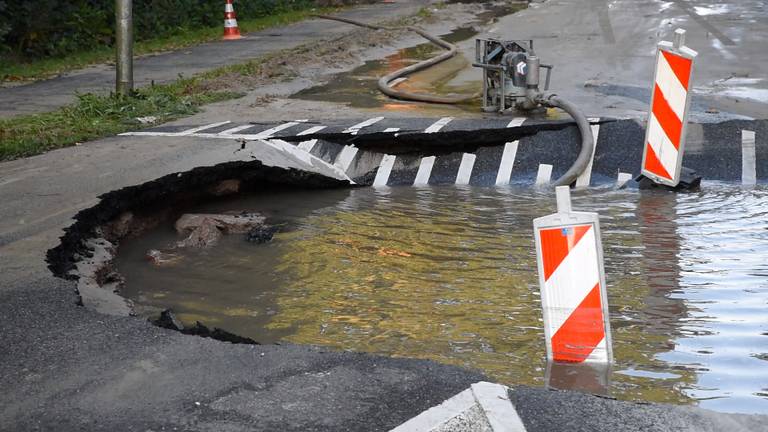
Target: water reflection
(449, 274)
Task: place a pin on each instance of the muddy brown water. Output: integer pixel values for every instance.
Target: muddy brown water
(448, 274)
(358, 88)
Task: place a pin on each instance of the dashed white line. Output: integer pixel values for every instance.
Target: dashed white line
(385, 169)
(436, 126)
(269, 132)
(390, 130)
(544, 174)
(202, 128)
(345, 158)
(237, 129)
(307, 145)
(748, 158)
(465, 169)
(354, 129)
(507, 162)
(517, 121)
(425, 170)
(312, 130)
(622, 179)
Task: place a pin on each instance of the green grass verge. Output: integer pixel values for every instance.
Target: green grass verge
(96, 116)
(29, 71)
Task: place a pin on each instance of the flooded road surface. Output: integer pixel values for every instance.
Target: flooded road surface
(449, 274)
(456, 76)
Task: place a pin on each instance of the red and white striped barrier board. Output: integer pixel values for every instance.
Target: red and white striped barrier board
(667, 119)
(572, 283)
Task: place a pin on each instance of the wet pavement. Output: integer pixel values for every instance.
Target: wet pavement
(70, 368)
(603, 57)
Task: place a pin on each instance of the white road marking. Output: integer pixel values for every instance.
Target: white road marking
(517, 121)
(237, 129)
(307, 145)
(585, 177)
(465, 169)
(227, 134)
(312, 130)
(436, 126)
(345, 158)
(498, 409)
(269, 132)
(748, 158)
(389, 130)
(354, 129)
(385, 169)
(425, 170)
(622, 179)
(544, 174)
(202, 128)
(507, 162)
(484, 406)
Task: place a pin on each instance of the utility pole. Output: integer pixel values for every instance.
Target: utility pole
(124, 46)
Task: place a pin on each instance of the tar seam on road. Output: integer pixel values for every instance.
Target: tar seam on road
(604, 18)
(704, 23)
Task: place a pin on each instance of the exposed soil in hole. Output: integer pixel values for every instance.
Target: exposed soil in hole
(87, 249)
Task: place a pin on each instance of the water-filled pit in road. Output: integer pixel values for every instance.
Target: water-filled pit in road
(449, 274)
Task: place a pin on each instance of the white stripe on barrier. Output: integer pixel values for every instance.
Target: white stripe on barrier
(229, 23)
(517, 121)
(345, 157)
(307, 145)
(385, 169)
(600, 353)
(425, 170)
(465, 169)
(354, 129)
(573, 279)
(436, 126)
(661, 145)
(748, 158)
(544, 174)
(507, 162)
(312, 130)
(572, 283)
(584, 179)
(228, 8)
(670, 86)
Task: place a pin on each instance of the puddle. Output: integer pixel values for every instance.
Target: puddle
(358, 88)
(448, 274)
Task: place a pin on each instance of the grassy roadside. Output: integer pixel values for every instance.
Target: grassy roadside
(95, 116)
(45, 68)
(98, 116)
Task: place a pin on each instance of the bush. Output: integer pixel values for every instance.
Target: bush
(50, 28)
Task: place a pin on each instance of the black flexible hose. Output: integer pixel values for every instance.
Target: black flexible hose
(587, 140)
(384, 81)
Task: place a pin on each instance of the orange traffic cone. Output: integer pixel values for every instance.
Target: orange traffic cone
(230, 22)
